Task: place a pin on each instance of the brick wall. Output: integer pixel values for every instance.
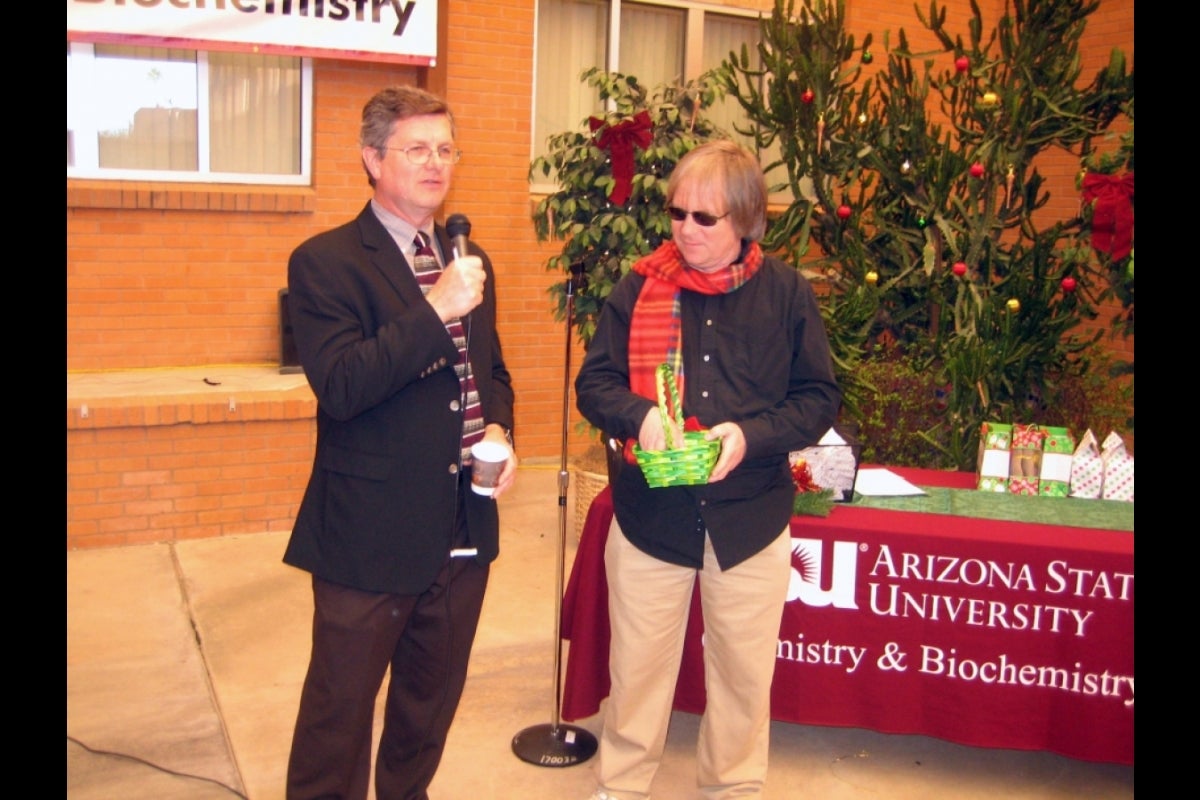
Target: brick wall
(186, 466)
(184, 275)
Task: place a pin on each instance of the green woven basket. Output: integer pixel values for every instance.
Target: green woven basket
(686, 465)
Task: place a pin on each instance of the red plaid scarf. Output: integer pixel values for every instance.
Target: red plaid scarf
(655, 335)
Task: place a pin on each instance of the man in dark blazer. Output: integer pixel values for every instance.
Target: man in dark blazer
(398, 545)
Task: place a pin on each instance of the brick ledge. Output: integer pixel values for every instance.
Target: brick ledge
(93, 193)
(193, 395)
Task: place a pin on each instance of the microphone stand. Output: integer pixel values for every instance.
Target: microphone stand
(556, 744)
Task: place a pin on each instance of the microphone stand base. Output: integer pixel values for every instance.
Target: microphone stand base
(554, 745)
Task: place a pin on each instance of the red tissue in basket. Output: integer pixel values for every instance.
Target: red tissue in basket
(689, 425)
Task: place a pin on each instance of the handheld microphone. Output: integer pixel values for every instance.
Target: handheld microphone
(459, 228)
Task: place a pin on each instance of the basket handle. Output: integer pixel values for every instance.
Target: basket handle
(665, 384)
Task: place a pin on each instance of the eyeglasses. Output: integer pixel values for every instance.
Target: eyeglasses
(702, 218)
(420, 154)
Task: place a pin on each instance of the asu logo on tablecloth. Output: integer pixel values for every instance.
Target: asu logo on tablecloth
(807, 581)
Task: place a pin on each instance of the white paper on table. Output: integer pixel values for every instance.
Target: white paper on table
(830, 438)
(875, 482)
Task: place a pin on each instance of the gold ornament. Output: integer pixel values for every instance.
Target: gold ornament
(990, 98)
(872, 278)
(1014, 305)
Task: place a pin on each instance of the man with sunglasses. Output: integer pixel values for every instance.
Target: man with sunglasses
(743, 335)
(396, 330)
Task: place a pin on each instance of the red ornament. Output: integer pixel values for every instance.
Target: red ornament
(1068, 284)
(807, 95)
(977, 170)
(844, 211)
(962, 63)
(959, 268)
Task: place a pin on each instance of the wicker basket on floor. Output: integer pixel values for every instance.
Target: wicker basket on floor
(587, 486)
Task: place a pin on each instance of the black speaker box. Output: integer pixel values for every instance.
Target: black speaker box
(289, 359)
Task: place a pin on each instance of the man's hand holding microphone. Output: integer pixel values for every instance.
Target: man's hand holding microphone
(460, 287)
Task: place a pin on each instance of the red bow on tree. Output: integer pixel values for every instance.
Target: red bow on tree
(1112, 214)
(619, 140)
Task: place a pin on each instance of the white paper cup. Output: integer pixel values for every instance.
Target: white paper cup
(488, 460)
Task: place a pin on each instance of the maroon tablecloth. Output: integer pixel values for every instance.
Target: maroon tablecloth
(987, 633)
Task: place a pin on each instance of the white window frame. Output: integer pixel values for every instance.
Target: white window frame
(86, 154)
(693, 52)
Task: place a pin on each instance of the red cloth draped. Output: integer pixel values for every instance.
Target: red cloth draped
(619, 140)
(1112, 214)
(1093, 722)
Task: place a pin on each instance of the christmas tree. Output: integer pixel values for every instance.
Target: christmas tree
(914, 192)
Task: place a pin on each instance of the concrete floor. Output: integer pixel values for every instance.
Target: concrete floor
(184, 665)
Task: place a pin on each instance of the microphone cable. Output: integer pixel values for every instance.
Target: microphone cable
(456, 504)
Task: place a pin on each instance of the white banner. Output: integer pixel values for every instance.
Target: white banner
(403, 31)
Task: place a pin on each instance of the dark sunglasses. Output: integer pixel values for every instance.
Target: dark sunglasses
(703, 218)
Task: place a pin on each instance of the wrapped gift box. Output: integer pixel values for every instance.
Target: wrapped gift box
(1118, 469)
(1057, 450)
(833, 462)
(1025, 459)
(1087, 468)
(995, 451)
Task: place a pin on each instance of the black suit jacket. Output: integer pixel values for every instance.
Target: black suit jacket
(380, 509)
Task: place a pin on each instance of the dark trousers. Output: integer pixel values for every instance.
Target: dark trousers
(426, 641)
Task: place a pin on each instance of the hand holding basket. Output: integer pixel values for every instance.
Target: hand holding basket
(687, 464)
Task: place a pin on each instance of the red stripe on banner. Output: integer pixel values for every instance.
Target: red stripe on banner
(243, 47)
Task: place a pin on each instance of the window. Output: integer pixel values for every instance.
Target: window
(654, 42)
(170, 114)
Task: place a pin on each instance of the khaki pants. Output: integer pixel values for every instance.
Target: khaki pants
(649, 602)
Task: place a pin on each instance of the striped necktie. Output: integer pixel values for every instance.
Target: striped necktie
(427, 270)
